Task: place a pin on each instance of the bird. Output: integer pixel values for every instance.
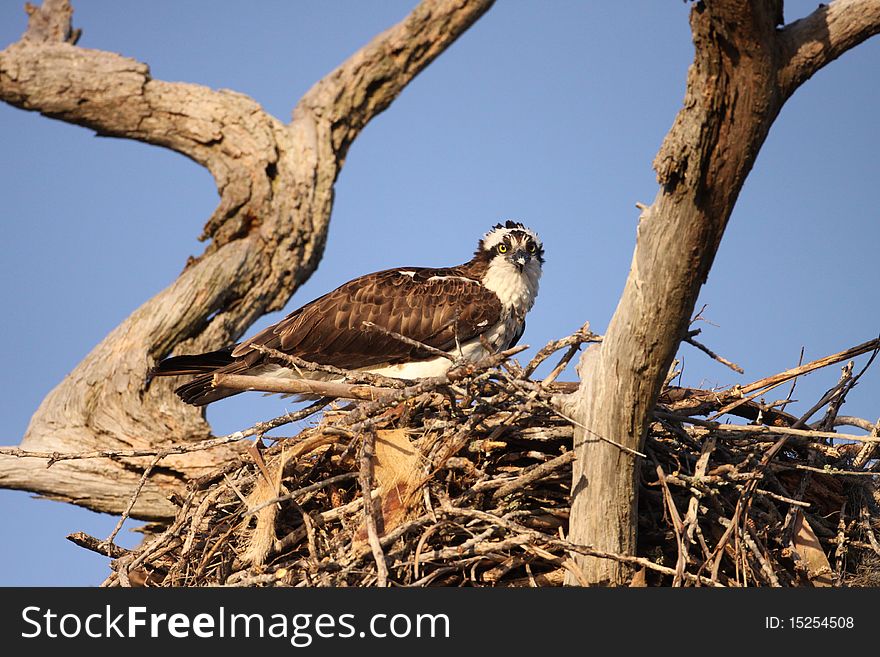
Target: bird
(466, 311)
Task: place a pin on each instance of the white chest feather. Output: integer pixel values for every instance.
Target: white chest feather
(515, 289)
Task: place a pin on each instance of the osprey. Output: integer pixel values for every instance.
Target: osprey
(448, 308)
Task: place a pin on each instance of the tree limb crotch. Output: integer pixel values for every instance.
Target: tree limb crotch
(264, 239)
(746, 64)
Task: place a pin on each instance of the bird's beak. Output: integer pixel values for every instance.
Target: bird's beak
(520, 259)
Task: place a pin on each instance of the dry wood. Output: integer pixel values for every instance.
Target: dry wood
(105, 427)
(747, 63)
(257, 430)
(449, 508)
(96, 545)
(711, 354)
(264, 239)
(439, 353)
(584, 334)
(300, 386)
(868, 450)
(350, 376)
(758, 429)
(819, 363)
(370, 511)
(534, 474)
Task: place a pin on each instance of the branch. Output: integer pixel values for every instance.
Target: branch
(101, 547)
(421, 346)
(183, 448)
(370, 510)
(370, 80)
(266, 235)
(810, 43)
(299, 386)
(357, 391)
(736, 87)
(50, 23)
(787, 375)
(116, 96)
(221, 130)
(534, 474)
(764, 429)
(576, 339)
(689, 338)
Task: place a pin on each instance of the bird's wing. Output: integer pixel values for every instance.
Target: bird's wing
(433, 306)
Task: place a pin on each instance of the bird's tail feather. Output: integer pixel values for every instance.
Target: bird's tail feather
(200, 390)
(195, 363)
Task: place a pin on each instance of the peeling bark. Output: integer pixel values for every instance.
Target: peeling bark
(265, 238)
(745, 67)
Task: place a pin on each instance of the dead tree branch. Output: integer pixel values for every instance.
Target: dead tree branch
(744, 69)
(265, 238)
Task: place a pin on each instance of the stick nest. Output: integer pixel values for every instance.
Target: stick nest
(471, 482)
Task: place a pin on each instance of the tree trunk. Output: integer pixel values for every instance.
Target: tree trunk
(744, 69)
(265, 238)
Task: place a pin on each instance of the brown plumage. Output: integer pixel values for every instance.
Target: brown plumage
(329, 330)
(440, 307)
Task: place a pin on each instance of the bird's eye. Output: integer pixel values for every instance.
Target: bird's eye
(502, 248)
(532, 247)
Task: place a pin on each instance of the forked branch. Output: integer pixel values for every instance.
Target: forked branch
(265, 238)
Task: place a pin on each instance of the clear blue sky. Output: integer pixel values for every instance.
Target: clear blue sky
(547, 112)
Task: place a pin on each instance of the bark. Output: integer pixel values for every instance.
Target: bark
(745, 67)
(264, 239)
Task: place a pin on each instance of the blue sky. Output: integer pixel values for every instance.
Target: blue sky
(546, 112)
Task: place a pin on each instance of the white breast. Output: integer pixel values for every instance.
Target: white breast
(516, 290)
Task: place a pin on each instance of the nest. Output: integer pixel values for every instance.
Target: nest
(469, 478)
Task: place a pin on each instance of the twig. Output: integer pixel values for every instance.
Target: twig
(561, 365)
(868, 449)
(865, 522)
(134, 496)
(793, 383)
(534, 474)
(840, 550)
(350, 376)
(96, 545)
(824, 470)
(366, 481)
(522, 383)
(583, 334)
(299, 386)
(219, 543)
(711, 354)
(421, 346)
(567, 545)
(760, 429)
(455, 373)
(739, 402)
(182, 448)
(135, 558)
(691, 518)
(845, 384)
(782, 498)
(787, 375)
(766, 567)
(299, 492)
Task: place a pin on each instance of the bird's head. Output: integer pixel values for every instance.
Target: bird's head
(512, 244)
